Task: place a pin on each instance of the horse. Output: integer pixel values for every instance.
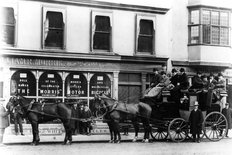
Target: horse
(43, 112)
(117, 112)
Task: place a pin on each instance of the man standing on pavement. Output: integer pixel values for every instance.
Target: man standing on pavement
(4, 120)
(17, 113)
(227, 112)
(195, 120)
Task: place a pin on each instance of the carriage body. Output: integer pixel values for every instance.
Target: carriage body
(173, 121)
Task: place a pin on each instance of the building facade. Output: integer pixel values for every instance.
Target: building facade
(73, 49)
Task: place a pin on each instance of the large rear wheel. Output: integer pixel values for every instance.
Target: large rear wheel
(177, 129)
(215, 126)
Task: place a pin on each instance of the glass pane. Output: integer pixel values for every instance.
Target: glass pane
(54, 38)
(194, 34)
(7, 15)
(55, 19)
(102, 23)
(224, 20)
(145, 44)
(224, 36)
(206, 34)
(195, 17)
(101, 41)
(146, 27)
(215, 18)
(7, 34)
(205, 17)
(215, 35)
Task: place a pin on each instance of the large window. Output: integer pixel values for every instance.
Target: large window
(7, 21)
(209, 26)
(101, 31)
(145, 40)
(53, 28)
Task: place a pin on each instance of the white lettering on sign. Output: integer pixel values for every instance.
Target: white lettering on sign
(100, 78)
(23, 75)
(50, 75)
(76, 76)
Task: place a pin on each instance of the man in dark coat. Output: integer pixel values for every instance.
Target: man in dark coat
(197, 82)
(156, 78)
(175, 77)
(183, 80)
(227, 112)
(195, 120)
(17, 113)
(87, 120)
(75, 123)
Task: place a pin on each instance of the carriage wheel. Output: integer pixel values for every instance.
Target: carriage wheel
(177, 130)
(159, 134)
(215, 126)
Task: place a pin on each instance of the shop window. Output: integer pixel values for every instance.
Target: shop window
(129, 89)
(50, 85)
(76, 85)
(23, 83)
(212, 25)
(101, 31)
(100, 83)
(7, 21)
(53, 28)
(145, 35)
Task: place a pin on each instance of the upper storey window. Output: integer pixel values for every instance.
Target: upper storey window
(53, 28)
(145, 38)
(7, 21)
(209, 26)
(101, 32)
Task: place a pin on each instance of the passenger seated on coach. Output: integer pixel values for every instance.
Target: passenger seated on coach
(156, 78)
(197, 82)
(175, 77)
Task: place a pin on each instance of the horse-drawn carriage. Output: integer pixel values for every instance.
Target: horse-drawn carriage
(168, 119)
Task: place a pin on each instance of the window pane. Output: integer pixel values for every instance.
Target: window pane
(215, 35)
(102, 23)
(206, 34)
(224, 20)
(205, 17)
(54, 29)
(145, 44)
(194, 34)
(146, 27)
(215, 18)
(101, 41)
(224, 36)
(7, 23)
(195, 17)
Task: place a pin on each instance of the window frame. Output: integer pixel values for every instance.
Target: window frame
(109, 14)
(137, 28)
(211, 26)
(15, 8)
(62, 10)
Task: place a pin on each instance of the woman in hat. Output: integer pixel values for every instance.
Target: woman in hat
(196, 120)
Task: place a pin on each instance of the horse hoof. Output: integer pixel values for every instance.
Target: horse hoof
(111, 141)
(146, 140)
(118, 142)
(135, 139)
(34, 143)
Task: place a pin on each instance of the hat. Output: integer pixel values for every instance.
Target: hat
(220, 74)
(182, 70)
(155, 69)
(204, 76)
(198, 72)
(227, 103)
(163, 72)
(174, 70)
(196, 103)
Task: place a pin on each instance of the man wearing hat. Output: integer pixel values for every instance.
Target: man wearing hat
(227, 112)
(196, 120)
(197, 81)
(156, 79)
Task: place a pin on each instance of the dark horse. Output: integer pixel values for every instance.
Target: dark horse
(39, 113)
(118, 112)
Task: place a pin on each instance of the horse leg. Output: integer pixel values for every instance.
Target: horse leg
(136, 127)
(35, 131)
(117, 132)
(111, 132)
(68, 133)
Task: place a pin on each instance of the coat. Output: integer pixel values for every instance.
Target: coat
(155, 80)
(183, 80)
(174, 79)
(196, 120)
(4, 120)
(228, 114)
(75, 114)
(197, 83)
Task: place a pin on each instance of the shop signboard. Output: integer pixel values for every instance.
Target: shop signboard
(50, 85)
(100, 83)
(76, 85)
(23, 83)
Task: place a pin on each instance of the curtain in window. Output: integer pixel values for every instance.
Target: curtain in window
(145, 38)
(54, 29)
(7, 22)
(101, 38)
